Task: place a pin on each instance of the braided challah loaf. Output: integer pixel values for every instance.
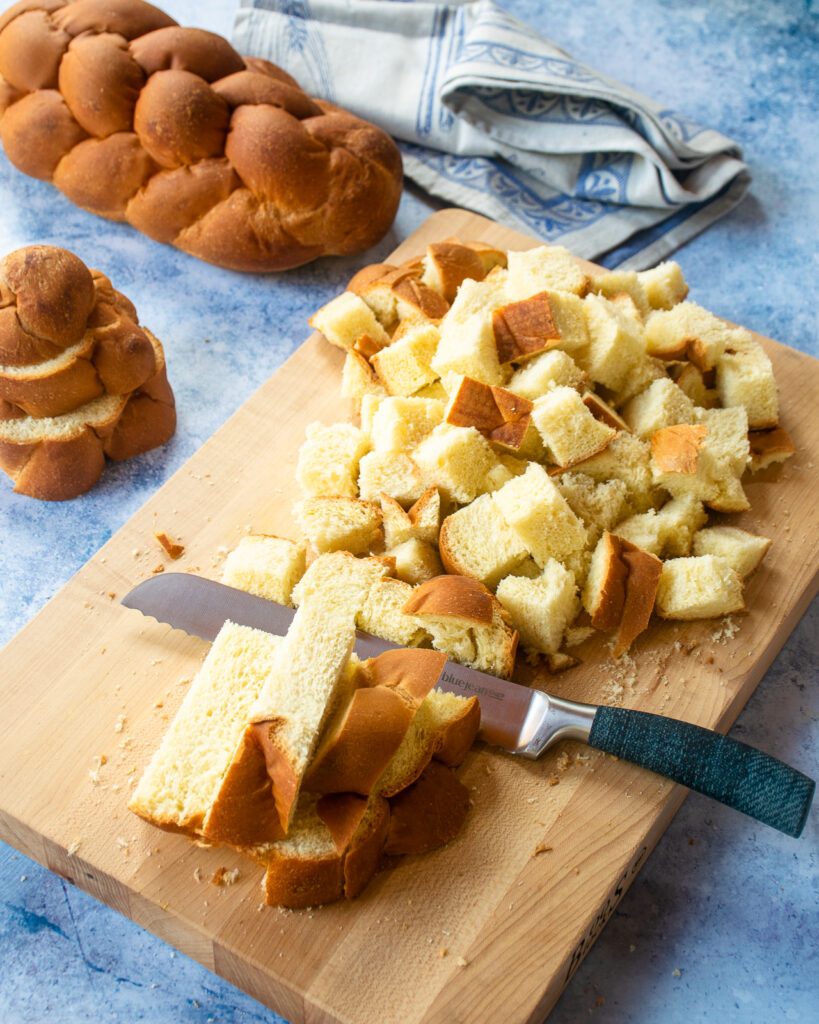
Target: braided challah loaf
(137, 119)
(79, 377)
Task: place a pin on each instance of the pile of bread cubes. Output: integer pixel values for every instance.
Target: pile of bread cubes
(553, 435)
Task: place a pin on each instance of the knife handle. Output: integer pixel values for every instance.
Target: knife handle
(726, 770)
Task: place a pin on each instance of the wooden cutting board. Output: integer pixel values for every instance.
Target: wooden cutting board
(490, 928)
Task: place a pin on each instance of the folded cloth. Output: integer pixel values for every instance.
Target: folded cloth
(492, 117)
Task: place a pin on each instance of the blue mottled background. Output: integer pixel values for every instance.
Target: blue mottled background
(722, 923)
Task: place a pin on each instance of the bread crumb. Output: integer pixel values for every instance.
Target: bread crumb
(136, 553)
(225, 877)
(94, 771)
(676, 973)
(73, 846)
(600, 1001)
(173, 549)
(119, 725)
(726, 630)
(158, 568)
(197, 874)
(442, 952)
(462, 962)
(553, 780)
(543, 848)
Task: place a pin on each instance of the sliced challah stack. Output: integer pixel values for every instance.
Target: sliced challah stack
(167, 128)
(80, 379)
(571, 431)
(310, 762)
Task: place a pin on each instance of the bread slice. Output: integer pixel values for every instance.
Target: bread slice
(743, 551)
(329, 458)
(535, 509)
(305, 683)
(466, 622)
(621, 588)
(339, 524)
(382, 614)
(540, 609)
(416, 561)
(745, 377)
(546, 266)
(456, 460)
(181, 781)
(531, 326)
(664, 285)
(399, 424)
(476, 541)
(701, 587)
(662, 404)
(392, 473)
(615, 347)
(345, 318)
(266, 566)
(404, 366)
(569, 430)
(551, 369)
(428, 814)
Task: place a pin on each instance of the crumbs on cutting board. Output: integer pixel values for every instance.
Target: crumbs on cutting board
(172, 548)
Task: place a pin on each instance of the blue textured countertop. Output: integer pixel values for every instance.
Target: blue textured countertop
(722, 922)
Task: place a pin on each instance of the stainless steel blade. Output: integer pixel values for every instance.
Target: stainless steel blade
(517, 718)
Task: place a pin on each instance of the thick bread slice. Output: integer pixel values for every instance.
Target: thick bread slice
(333, 850)
(620, 589)
(184, 775)
(301, 689)
(428, 814)
(476, 541)
(55, 386)
(466, 622)
(364, 734)
(266, 566)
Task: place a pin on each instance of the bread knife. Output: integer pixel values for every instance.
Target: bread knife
(524, 721)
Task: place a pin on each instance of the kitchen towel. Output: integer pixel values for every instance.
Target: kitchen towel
(492, 117)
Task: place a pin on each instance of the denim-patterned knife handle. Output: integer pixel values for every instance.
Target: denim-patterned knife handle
(735, 774)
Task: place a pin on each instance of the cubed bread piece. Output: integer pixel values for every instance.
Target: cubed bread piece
(769, 447)
(434, 390)
(358, 378)
(500, 415)
(615, 347)
(392, 473)
(545, 321)
(468, 347)
(478, 297)
(667, 532)
(701, 587)
(603, 411)
(416, 561)
(367, 408)
(745, 377)
(456, 460)
(265, 566)
(687, 331)
(547, 266)
(664, 285)
(447, 264)
(329, 458)
(690, 379)
(422, 520)
(641, 376)
(348, 578)
(404, 366)
(627, 458)
(662, 404)
(399, 424)
(548, 370)
(415, 301)
(382, 614)
(743, 551)
(345, 318)
(568, 428)
(492, 258)
(339, 524)
(540, 609)
(614, 283)
(475, 541)
(535, 509)
(600, 504)
(466, 622)
(727, 438)
(620, 589)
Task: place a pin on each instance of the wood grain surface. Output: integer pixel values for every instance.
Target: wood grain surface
(490, 928)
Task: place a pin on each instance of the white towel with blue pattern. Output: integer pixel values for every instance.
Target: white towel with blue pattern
(494, 118)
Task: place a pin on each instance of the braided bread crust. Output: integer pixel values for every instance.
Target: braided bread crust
(169, 129)
(67, 336)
